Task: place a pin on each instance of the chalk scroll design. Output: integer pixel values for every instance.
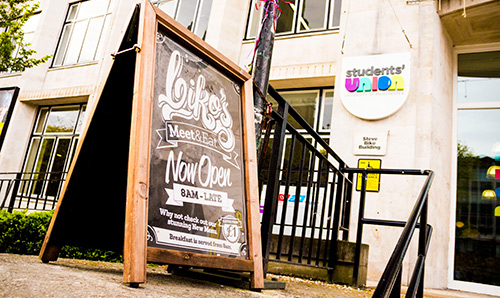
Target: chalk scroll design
(193, 101)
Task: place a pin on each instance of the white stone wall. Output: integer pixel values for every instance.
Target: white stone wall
(420, 133)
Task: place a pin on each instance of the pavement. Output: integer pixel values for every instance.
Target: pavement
(26, 276)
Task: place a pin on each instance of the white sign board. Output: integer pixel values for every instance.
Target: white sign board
(370, 144)
(375, 87)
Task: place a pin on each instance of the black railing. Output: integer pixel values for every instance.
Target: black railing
(306, 197)
(37, 191)
(390, 282)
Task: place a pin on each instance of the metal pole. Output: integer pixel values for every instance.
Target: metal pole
(15, 189)
(422, 244)
(262, 67)
(359, 236)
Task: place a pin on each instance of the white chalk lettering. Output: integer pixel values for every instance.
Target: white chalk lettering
(193, 101)
(208, 174)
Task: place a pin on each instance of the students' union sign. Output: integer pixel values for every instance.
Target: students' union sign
(375, 87)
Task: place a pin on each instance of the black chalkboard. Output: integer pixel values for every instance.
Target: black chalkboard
(197, 188)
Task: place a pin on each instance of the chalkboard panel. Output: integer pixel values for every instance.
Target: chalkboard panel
(197, 180)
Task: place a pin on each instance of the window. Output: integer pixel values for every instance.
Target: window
(299, 16)
(52, 147)
(192, 14)
(477, 227)
(314, 105)
(82, 37)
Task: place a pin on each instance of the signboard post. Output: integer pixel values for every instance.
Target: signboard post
(191, 186)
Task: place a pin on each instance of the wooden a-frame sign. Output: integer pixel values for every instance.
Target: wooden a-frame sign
(166, 167)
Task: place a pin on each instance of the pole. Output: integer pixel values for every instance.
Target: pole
(262, 66)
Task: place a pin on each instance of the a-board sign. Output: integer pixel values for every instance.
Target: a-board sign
(188, 144)
(203, 197)
(372, 180)
(197, 181)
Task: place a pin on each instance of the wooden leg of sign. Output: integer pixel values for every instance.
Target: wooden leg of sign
(135, 245)
(49, 252)
(252, 187)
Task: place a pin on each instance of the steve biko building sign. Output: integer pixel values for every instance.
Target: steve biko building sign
(375, 86)
(196, 198)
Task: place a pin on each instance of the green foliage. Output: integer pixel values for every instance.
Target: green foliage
(13, 15)
(467, 168)
(92, 254)
(22, 233)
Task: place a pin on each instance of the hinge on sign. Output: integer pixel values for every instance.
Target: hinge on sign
(136, 47)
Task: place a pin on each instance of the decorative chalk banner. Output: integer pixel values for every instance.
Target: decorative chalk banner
(189, 195)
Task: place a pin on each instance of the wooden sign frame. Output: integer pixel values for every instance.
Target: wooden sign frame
(136, 251)
(105, 227)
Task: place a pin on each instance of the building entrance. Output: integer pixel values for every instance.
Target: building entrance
(477, 226)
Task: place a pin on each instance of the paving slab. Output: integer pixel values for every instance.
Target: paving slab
(26, 276)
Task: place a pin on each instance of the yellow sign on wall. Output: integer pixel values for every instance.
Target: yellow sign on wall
(373, 180)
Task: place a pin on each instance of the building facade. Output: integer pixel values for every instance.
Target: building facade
(336, 62)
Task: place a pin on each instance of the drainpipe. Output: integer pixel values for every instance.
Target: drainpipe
(262, 66)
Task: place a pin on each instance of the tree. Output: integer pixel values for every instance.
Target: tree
(467, 164)
(15, 54)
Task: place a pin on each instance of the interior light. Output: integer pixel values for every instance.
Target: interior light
(491, 173)
(489, 194)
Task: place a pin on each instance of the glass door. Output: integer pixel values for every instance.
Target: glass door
(477, 226)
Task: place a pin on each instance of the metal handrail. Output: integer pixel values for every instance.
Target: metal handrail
(19, 192)
(308, 237)
(386, 283)
(392, 272)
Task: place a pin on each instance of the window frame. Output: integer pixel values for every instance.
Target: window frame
(196, 16)
(29, 165)
(332, 10)
(71, 25)
(319, 105)
(452, 282)
(326, 17)
(318, 92)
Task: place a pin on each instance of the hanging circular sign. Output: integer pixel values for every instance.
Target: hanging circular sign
(375, 87)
